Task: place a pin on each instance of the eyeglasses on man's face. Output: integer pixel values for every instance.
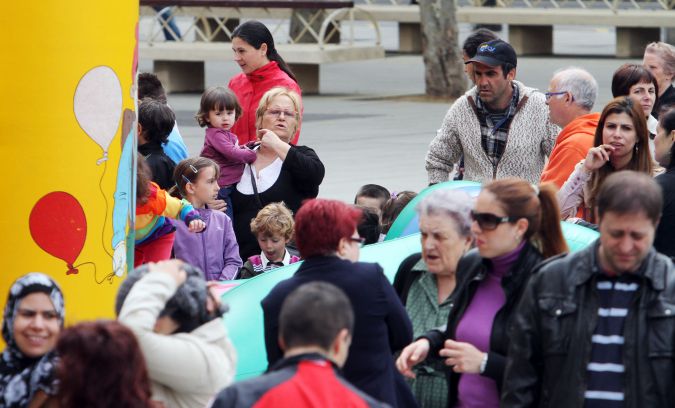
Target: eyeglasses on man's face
(359, 240)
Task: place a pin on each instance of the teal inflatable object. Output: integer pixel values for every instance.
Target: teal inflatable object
(407, 221)
(244, 321)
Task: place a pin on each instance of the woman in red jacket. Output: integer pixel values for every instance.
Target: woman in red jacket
(262, 69)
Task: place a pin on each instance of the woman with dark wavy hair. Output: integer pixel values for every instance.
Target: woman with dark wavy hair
(101, 366)
(621, 143)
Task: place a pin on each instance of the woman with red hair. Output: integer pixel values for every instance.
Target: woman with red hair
(325, 234)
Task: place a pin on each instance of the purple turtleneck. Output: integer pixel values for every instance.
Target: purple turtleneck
(475, 327)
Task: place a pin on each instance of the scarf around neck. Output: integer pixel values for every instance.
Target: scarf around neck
(21, 376)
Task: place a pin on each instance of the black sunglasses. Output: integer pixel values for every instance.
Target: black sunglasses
(489, 222)
(359, 240)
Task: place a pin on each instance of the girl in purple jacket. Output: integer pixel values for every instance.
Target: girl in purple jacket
(218, 111)
(215, 250)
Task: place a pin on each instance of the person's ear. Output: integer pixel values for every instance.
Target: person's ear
(521, 226)
(468, 242)
(342, 246)
(339, 349)
(263, 49)
(672, 135)
(282, 343)
(190, 188)
(511, 75)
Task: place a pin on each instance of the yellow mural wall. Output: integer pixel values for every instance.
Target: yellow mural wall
(67, 100)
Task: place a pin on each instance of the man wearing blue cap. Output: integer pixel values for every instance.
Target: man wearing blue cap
(500, 126)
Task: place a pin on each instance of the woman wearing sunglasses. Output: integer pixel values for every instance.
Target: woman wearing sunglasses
(515, 226)
(280, 172)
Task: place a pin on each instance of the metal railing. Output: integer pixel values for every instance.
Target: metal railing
(583, 4)
(210, 24)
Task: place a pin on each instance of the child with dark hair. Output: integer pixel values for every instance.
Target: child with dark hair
(393, 208)
(155, 121)
(218, 111)
(372, 196)
(154, 232)
(149, 86)
(369, 227)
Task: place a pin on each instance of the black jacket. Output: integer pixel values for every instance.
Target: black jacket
(381, 324)
(471, 270)
(161, 165)
(552, 329)
(294, 382)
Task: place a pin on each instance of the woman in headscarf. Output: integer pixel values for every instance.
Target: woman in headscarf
(32, 322)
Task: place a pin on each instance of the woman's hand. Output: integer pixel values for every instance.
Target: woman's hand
(597, 157)
(196, 226)
(412, 355)
(462, 357)
(172, 267)
(217, 205)
(270, 140)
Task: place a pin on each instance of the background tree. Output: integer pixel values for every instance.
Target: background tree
(444, 67)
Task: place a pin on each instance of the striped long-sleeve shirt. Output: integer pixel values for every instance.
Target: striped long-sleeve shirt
(151, 217)
(606, 369)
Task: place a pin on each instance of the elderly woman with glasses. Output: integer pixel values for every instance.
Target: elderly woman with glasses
(515, 226)
(281, 171)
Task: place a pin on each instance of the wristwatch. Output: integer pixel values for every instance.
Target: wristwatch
(483, 363)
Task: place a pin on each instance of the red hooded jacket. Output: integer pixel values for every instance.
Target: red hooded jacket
(250, 89)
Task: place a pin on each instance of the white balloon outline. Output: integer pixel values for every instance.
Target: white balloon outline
(97, 104)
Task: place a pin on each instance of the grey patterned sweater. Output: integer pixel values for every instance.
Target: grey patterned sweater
(531, 138)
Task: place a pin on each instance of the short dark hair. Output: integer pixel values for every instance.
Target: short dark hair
(157, 120)
(369, 227)
(149, 86)
(313, 315)
(373, 191)
(667, 122)
(626, 192)
(628, 75)
(217, 98)
(477, 38)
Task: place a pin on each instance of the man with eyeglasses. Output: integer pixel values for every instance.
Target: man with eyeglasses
(500, 126)
(596, 328)
(571, 96)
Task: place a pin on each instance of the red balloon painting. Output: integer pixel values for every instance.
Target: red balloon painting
(58, 226)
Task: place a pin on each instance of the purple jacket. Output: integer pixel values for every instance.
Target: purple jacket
(222, 147)
(214, 250)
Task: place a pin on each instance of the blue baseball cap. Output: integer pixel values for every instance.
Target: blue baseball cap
(494, 53)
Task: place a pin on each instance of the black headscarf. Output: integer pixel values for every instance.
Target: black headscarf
(21, 376)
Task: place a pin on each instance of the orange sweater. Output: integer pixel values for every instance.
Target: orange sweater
(570, 148)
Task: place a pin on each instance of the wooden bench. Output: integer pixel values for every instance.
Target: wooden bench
(320, 37)
(531, 29)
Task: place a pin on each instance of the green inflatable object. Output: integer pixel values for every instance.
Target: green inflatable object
(245, 319)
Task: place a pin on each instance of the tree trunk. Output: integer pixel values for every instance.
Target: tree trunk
(444, 68)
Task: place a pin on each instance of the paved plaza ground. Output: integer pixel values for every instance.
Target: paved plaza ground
(368, 126)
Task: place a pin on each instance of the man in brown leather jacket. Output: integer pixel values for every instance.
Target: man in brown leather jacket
(597, 328)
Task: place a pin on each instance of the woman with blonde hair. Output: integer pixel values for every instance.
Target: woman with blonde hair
(659, 59)
(281, 171)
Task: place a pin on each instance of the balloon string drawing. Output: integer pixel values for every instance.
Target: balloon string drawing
(58, 226)
(98, 109)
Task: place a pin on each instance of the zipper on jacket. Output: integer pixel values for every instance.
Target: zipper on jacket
(206, 264)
